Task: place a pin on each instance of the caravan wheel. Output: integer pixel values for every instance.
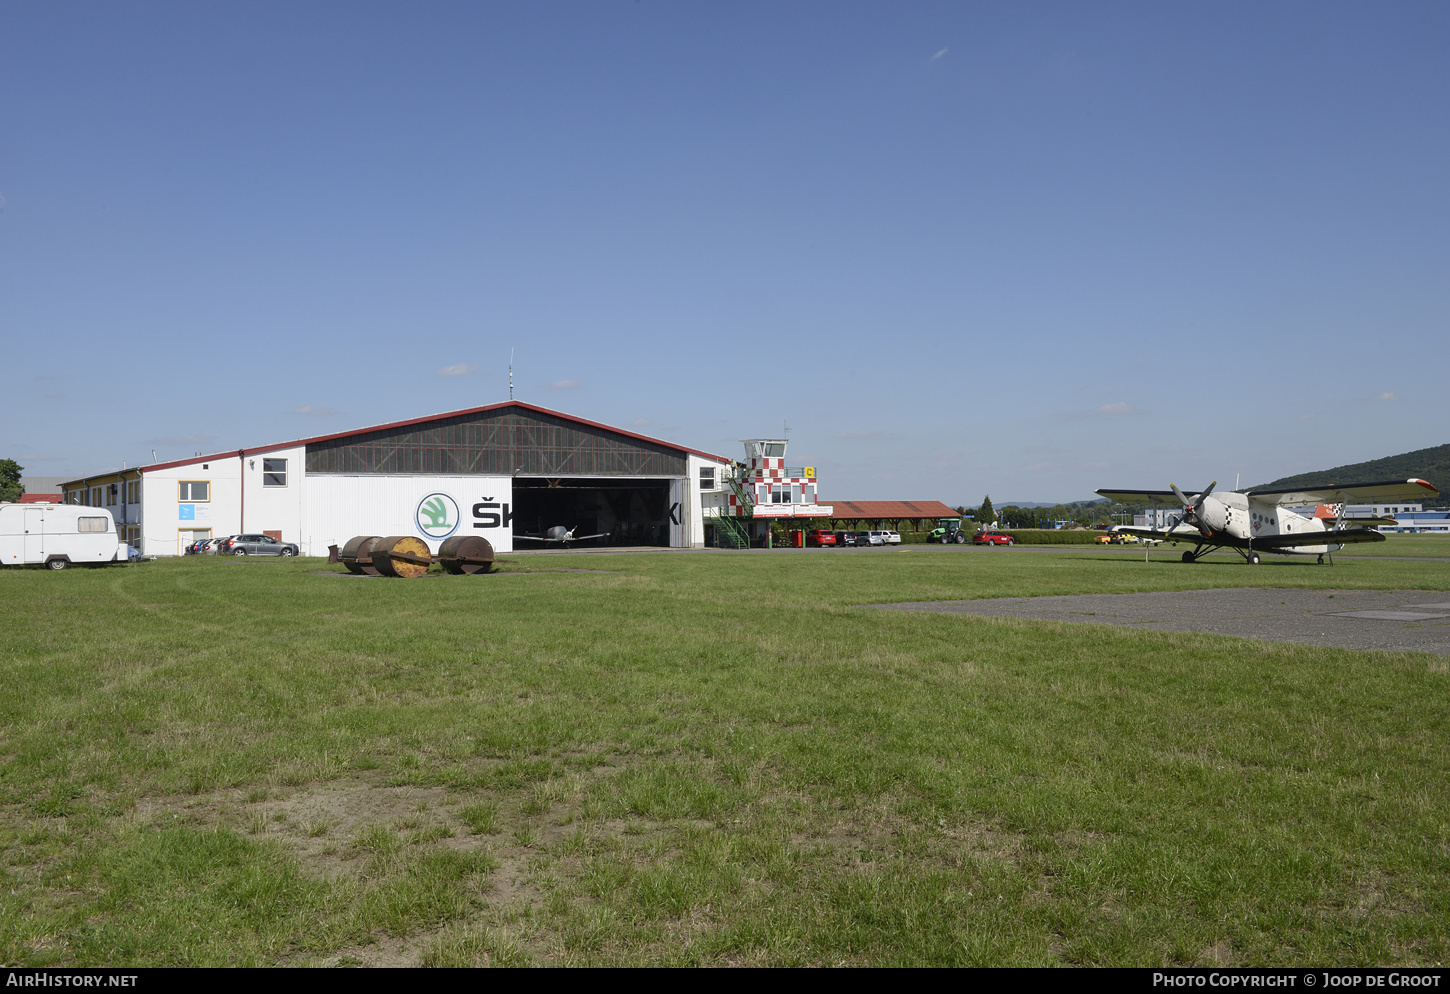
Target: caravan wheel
(57, 564)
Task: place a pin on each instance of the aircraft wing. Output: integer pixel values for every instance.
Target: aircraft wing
(533, 538)
(1178, 532)
(1352, 493)
(1145, 496)
(1345, 536)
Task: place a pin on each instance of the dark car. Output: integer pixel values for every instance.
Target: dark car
(992, 538)
(845, 538)
(255, 545)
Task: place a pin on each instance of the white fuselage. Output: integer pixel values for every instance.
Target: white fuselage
(1234, 518)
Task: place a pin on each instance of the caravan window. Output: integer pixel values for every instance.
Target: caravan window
(91, 525)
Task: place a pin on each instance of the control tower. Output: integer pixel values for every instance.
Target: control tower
(763, 486)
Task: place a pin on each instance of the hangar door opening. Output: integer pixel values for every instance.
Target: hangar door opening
(626, 511)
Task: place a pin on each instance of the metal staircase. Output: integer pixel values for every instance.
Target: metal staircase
(730, 532)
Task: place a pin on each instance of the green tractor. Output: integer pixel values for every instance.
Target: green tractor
(948, 530)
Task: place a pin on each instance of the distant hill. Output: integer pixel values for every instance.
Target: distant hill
(1432, 465)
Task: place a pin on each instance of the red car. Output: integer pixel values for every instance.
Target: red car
(819, 539)
(992, 538)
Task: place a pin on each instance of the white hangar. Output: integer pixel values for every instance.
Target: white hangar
(497, 471)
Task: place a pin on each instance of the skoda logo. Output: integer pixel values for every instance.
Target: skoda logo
(437, 516)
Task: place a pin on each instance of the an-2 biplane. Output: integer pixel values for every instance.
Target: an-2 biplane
(1259, 521)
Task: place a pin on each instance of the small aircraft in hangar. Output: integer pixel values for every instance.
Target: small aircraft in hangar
(559, 534)
(1263, 520)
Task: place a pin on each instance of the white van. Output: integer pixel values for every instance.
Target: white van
(58, 535)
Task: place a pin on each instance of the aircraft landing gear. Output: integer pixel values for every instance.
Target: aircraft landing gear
(1321, 559)
(1188, 557)
(1253, 558)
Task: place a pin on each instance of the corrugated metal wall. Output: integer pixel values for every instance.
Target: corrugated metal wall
(505, 443)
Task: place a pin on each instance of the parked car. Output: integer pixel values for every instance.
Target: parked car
(255, 545)
(1117, 538)
(821, 539)
(892, 538)
(992, 538)
(196, 548)
(845, 538)
(871, 538)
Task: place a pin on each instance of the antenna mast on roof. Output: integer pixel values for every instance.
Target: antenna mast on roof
(511, 374)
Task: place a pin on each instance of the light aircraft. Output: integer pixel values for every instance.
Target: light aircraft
(1261, 520)
(559, 534)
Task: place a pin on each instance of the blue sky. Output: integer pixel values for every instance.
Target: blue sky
(1020, 249)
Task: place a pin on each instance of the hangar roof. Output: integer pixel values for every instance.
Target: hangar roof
(424, 421)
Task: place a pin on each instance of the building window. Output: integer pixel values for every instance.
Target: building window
(780, 495)
(111, 494)
(133, 493)
(274, 472)
(707, 477)
(195, 490)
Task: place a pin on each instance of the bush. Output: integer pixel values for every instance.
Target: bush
(1047, 536)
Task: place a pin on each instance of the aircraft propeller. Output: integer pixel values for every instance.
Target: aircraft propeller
(1191, 508)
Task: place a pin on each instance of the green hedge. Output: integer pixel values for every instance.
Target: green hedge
(1047, 536)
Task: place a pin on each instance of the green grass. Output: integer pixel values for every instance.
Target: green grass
(1437, 546)
(707, 759)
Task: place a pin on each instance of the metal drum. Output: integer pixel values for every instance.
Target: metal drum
(357, 555)
(401, 555)
(466, 554)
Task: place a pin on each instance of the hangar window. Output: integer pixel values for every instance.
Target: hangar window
(92, 525)
(274, 472)
(707, 477)
(194, 490)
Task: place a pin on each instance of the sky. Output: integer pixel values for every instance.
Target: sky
(1025, 250)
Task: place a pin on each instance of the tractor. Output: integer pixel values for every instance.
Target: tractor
(948, 530)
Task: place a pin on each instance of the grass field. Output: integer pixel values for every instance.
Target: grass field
(707, 759)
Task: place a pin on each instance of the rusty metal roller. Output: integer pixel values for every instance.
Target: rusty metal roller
(401, 555)
(466, 554)
(357, 555)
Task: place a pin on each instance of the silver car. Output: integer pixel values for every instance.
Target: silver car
(255, 545)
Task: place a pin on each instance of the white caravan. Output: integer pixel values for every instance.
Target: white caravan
(58, 535)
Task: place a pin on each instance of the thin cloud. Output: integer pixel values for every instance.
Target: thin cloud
(1116, 409)
(938, 55)
(641, 422)
(1306, 417)
(178, 440)
(461, 369)
(866, 436)
(320, 412)
(1386, 396)
(566, 384)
